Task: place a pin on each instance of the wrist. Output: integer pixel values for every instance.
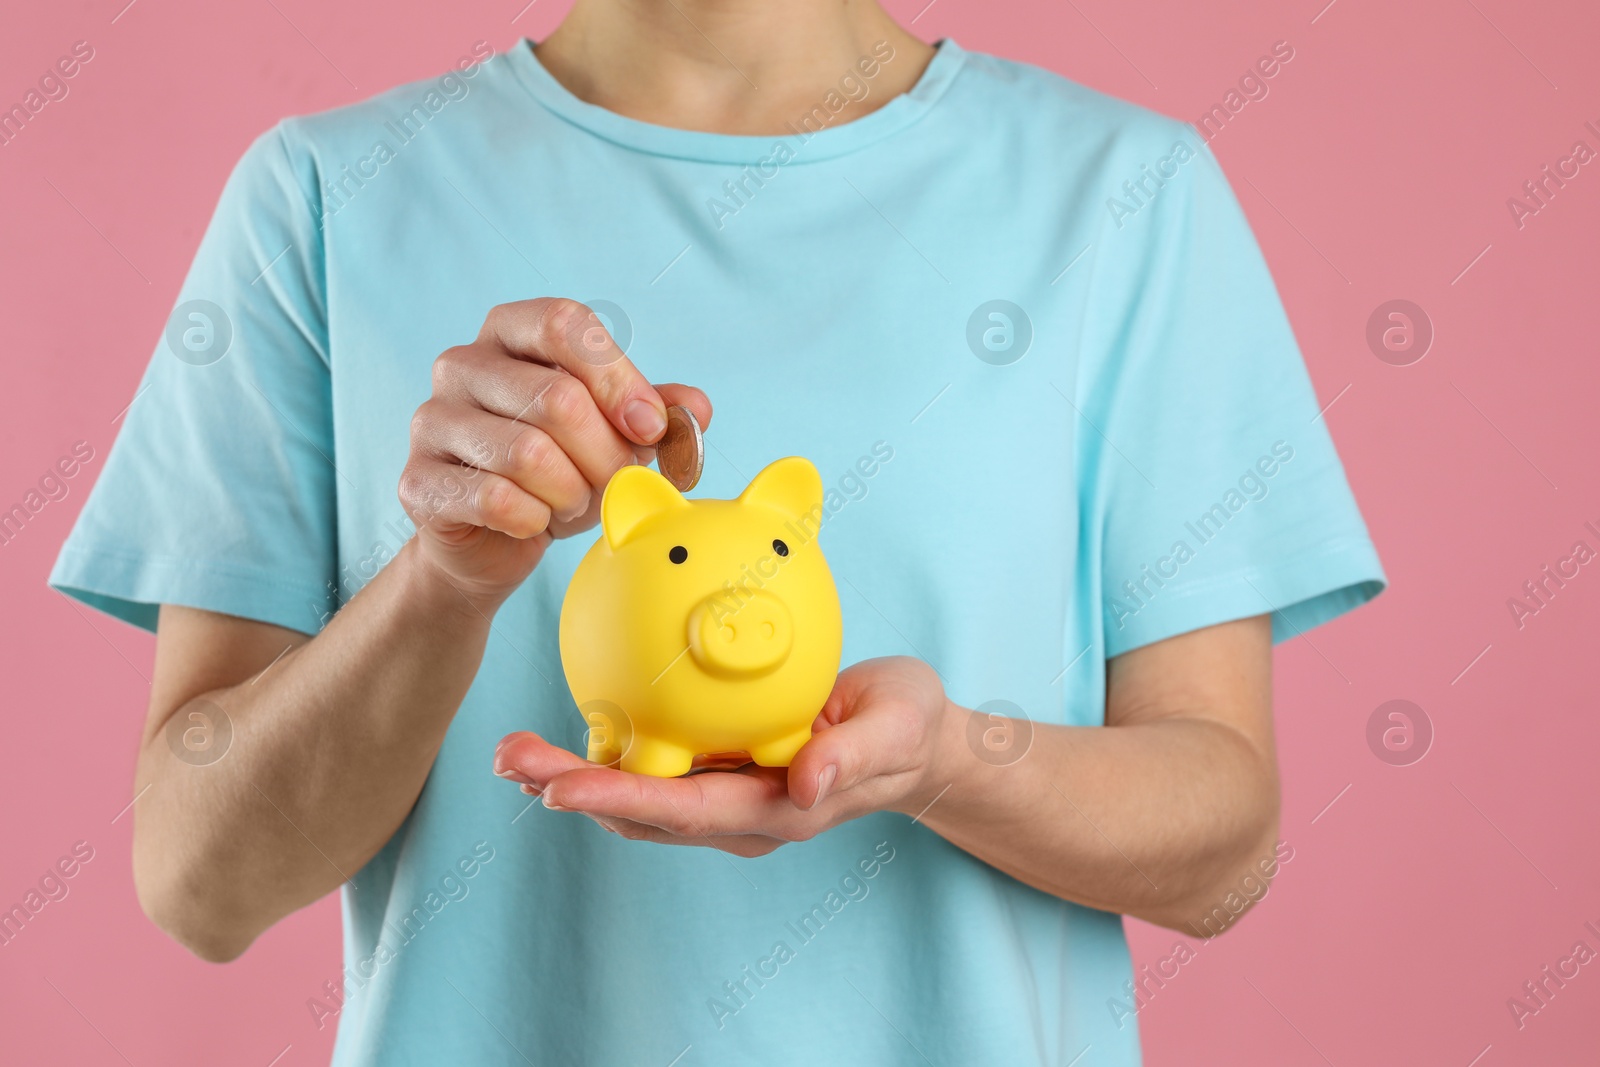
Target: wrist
(432, 592)
(945, 762)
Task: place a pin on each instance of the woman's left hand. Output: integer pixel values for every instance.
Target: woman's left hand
(879, 744)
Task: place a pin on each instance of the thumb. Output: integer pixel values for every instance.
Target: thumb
(690, 397)
(855, 740)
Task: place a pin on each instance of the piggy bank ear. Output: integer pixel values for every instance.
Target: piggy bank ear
(791, 485)
(633, 495)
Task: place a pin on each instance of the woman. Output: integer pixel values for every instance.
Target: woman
(1077, 486)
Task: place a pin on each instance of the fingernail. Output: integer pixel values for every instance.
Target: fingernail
(552, 807)
(512, 775)
(825, 782)
(530, 789)
(644, 419)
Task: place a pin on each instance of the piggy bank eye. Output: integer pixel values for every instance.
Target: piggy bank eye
(779, 547)
(678, 554)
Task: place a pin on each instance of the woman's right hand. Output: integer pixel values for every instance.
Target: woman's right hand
(525, 427)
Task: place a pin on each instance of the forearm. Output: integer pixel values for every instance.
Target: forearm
(332, 744)
(1159, 820)
(329, 750)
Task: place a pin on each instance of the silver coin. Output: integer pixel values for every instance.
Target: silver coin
(681, 452)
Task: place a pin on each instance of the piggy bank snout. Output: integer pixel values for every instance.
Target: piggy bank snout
(741, 635)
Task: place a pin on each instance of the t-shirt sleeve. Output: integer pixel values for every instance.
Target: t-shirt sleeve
(1213, 491)
(219, 491)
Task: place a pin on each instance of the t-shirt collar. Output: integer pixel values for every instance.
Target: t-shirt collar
(806, 146)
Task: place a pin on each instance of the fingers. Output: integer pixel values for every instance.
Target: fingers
(853, 747)
(565, 334)
(531, 760)
(443, 494)
(537, 395)
(545, 400)
(691, 398)
(525, 428)
(748, 846)
(710, 804)
(525, 454)
(562, 777)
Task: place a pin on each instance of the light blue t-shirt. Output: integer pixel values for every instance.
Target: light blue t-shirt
(1021, 328)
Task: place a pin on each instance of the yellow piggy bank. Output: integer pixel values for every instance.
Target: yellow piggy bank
(703, 626)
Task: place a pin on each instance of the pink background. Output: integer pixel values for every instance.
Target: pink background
(1378, 168)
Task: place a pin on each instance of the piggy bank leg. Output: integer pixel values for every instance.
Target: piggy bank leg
(661, 759)
(609, 733)
(602, 750)
(780, 753)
